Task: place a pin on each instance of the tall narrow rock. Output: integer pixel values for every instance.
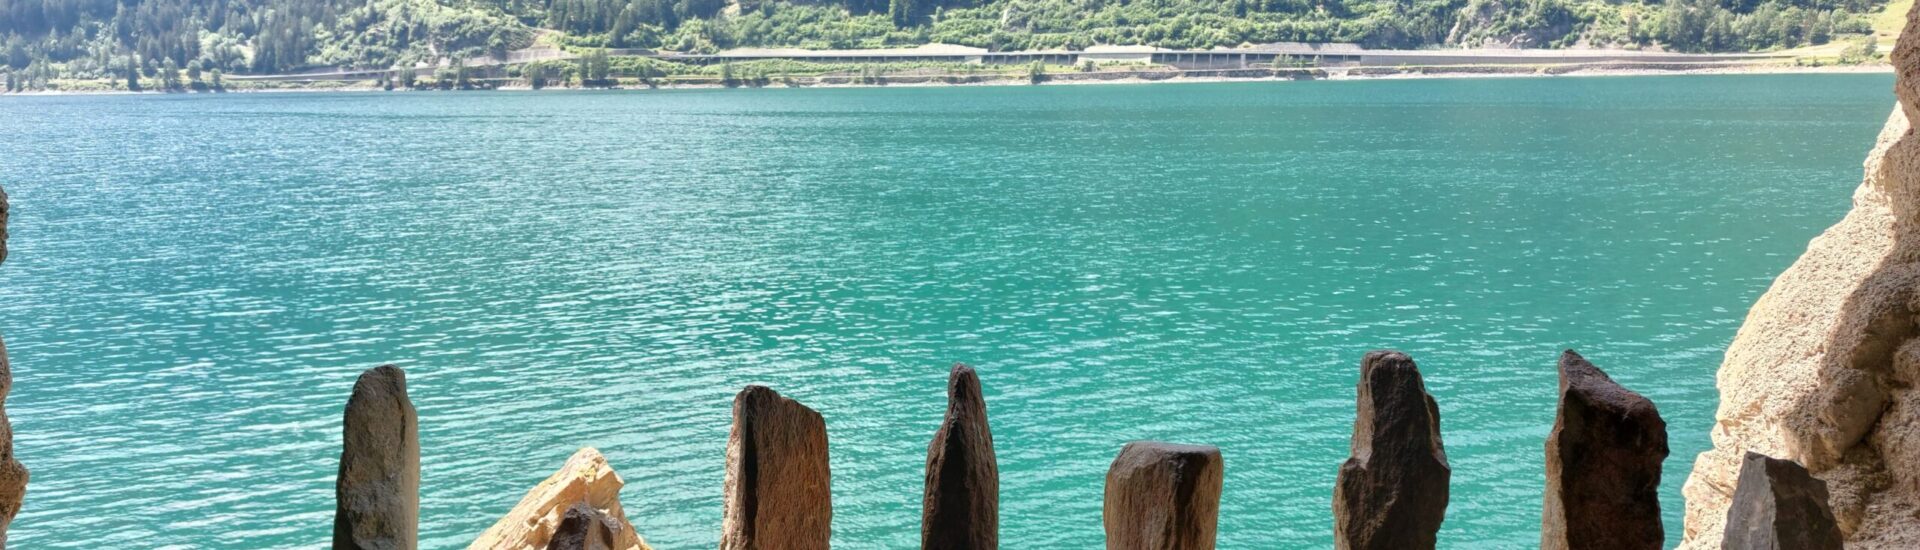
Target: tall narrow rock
(378, 489)
(1603, 465)
(13, 475)
(1163, 496)
(777, 485)
(540, 519)
(961, 510)
(1779, 506)
(1392, 493)
(1825, 371)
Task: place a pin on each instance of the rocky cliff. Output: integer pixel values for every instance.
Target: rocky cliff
(1823, 370)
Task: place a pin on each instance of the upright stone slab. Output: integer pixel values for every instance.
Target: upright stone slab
(1163, 496)
(777, 486)
(378, 488)
(584, 528)
(1392, 492)
(1777, 505)
(1603, 465)
(961, 510)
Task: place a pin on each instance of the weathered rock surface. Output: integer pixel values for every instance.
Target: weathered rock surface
(584, 528)
(1163, 496)
(378, 489)
(586, 480)
(13, 475)
(1825, 369)
(1603, 465)
(961, 510)
(3, 225)
(777, 486)
(1392, 492)
(1779, 506)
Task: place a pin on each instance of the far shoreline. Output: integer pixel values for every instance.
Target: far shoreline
(1358, 73)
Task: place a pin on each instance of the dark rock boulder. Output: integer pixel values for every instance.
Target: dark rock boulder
(13, 475)
(3, 226)
(584, 528)
(378, 489)
(1777, 505)
(777, 484)
(1392, 493)
(1162, 496)
(1603, 465)
(961, 510)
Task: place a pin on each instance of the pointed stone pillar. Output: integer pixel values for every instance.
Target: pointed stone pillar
(1779, 506)
(778, 481)
(1163, 496)
(1603, 465)
(1392, 491)
(961, 510)
(378, 489)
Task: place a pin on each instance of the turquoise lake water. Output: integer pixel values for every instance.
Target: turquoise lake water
(195, 282)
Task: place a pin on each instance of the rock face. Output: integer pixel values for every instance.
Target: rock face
(1603, 465)
(584, 528)
(378, 489)
(3, 225)
(1162, 496)
(1825, 369)
(961, 510)
(1779, 506)
(584, 484)
(777, 483)
(1392, 493)
(13, 475)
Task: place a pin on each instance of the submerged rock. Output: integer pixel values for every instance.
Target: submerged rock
(1826, 369)
(1603, 465)
(961, 510)
(1779, 506)
(777, 485)
(1392, 492)
(1163, 496)
(538, 521)
(378, 489)
(13, 475)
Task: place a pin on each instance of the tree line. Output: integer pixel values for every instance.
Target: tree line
(128, 39)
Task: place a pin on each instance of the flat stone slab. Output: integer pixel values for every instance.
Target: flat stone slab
(777, 484)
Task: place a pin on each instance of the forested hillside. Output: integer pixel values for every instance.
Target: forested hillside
(104, 38)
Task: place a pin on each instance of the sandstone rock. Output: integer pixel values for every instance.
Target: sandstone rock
(13, 475)
(961, 510)
(584, 528)
(1603, 465)
(1821, 371)
(1392, 493)
(1779, 506)
(777, 486)
(378, 489)
(1162, 496)
(586, 480)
